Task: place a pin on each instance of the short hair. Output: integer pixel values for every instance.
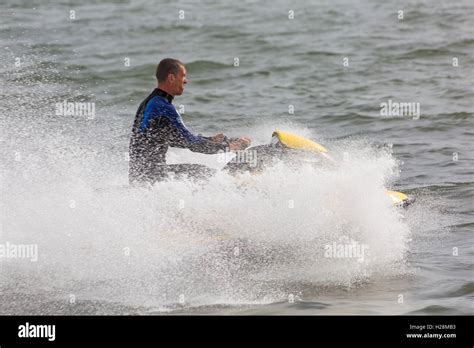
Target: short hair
(168, 66)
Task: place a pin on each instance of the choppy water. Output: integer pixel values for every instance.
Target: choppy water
(106, 248)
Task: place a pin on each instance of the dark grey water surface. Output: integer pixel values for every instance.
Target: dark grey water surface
(106, 248)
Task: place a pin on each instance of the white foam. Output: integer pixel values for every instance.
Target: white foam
(150, 246)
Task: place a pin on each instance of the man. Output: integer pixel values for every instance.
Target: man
(158, 126)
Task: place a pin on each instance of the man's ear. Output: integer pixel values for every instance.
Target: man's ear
(171, 77)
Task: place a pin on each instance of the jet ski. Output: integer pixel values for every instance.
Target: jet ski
(293, 150)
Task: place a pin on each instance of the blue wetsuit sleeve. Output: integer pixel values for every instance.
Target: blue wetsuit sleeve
(182, 137)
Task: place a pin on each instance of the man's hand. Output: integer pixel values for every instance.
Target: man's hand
(239, 144)
(218, 138)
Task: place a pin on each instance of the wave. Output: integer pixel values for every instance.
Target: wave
(136, 246)
(199, 66)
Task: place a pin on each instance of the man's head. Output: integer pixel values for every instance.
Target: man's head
(171, 76)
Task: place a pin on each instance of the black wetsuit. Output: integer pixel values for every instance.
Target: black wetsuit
(157, 126)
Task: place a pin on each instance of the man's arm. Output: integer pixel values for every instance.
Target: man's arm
(181, 137)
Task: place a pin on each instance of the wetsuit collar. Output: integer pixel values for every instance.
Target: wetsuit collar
(165, 95)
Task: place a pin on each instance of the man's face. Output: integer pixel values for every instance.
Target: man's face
(179, 80)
